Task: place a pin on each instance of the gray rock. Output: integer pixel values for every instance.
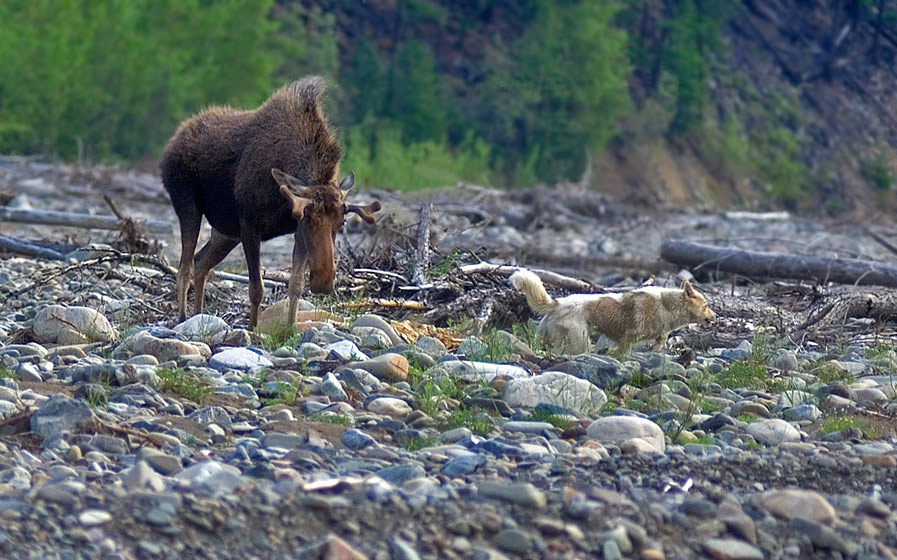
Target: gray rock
(94, 517)
(71, 325)
(773, 431)
(528, 427)
(732, 549)
(238, 358)
(346, 350)
(821, 536)
(785, 360)
(28, 372)
(519, 493)
(371, 320)
(618, 429)
(60, 414)
(389, 406)
(555, 388)
(514, 540)
(602, 371)
(372, 337)
(462, 465)
(211, 477)
(331, 387)
(356, 439)
(400, 474)
(284, 441)
(433, 347)
(472, 346)
(206, 415)
(400, 550)
(141, 477)
(455, 434)
(202, 327)
(481, 371)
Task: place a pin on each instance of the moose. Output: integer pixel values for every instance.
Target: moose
(255, 175)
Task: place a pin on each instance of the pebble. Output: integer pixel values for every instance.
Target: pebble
(617, 429)
(731, 549)
(519, 493)
(773, 431)
(238, 358)
(792, 503)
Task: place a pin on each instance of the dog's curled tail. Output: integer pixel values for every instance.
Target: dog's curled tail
(531, 286)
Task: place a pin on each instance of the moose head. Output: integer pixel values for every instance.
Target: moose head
(320, 212)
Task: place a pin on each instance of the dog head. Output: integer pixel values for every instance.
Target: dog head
(696, 305)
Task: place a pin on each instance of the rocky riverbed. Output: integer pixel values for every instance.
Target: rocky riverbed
(367, 434)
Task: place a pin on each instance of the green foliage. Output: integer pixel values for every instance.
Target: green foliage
(437, 391)
(744, 374)
(185, 383)
(558, 421)
(376, 151)
(559, 95)
(280, 335)
(6, 373)
(879, 349)
(528, 333)
(837, 423)
(879, 172)
(420, 443)
(332, 418)
(112, 79)
(828, 372)
(495, 347)
(478, 422)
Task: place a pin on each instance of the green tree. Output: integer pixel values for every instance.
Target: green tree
(560, 92)
(104, 78)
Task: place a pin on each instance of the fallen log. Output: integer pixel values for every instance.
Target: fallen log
(52, 218)
(22, 247)
(761, 265)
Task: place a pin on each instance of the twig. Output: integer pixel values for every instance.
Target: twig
(380, 273)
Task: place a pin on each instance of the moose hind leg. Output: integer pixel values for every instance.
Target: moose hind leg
(190, 220)
(218, 247)
(252, 249)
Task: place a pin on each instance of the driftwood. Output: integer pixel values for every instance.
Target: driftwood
(48, 217)
(546, 276)
(22, 247)
(765, 265)
(422, 253)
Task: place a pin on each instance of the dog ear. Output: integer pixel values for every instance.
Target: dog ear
(689, 292)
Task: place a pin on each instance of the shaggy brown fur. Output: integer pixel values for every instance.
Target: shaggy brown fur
(644, 314)
(256, 175)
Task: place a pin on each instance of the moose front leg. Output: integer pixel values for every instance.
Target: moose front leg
(251, 250)
(297, 277)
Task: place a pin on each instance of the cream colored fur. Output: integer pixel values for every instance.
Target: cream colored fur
(649, 313)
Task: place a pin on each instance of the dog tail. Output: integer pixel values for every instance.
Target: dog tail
(536, 296)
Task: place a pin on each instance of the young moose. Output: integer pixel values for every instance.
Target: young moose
(256, 175)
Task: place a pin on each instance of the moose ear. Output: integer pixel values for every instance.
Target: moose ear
(689, 291)
(299, 203)
(286, 179)
(348, 181)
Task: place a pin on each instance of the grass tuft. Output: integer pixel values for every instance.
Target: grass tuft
(185, 383)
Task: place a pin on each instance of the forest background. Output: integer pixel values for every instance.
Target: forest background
(695, 98)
